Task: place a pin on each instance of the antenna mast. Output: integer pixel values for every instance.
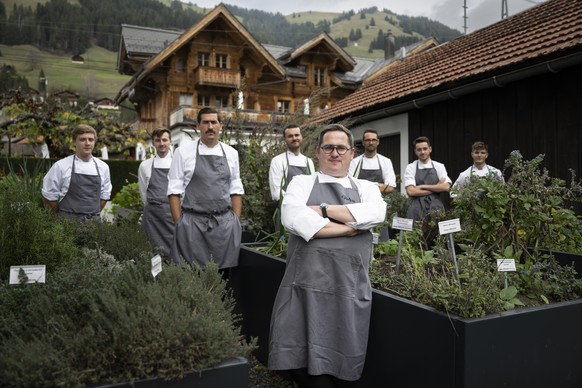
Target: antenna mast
(465, 17)
(504, 12)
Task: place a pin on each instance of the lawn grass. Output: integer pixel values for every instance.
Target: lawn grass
(96, 78)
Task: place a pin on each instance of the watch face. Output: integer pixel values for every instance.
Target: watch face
(324, 205)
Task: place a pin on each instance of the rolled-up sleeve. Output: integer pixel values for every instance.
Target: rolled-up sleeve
(371, 211)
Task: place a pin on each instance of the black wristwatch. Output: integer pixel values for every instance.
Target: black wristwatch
(323, 208)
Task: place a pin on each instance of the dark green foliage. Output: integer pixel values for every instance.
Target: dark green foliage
(95, 323)
(28, 233)
(9, 79)
(512, 220)
(125, 240)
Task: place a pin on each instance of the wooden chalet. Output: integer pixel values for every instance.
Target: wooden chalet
(218, 63)
(514, 84)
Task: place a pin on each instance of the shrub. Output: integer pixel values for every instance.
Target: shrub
(96, 323)
(28, 233)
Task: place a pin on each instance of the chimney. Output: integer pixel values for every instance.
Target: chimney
(389, 45)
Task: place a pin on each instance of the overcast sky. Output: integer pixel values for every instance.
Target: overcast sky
(480, 13)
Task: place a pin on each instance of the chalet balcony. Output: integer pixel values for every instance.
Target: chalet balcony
(245, 118)
(213, 76)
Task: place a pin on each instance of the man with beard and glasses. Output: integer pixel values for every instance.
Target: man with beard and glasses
(373, 166)
(204, 191)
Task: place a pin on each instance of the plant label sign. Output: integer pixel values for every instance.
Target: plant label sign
(32, 273)
(450, 226)
(402, 223)
(156, 265)
(375, 238)
(506, 265)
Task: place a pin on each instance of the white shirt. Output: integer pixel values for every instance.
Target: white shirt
(374, 163)
(184, 162)
(299, 219)
(278, 169)
(57, 180)
(145, 172)
(410, 172)
(475, 171)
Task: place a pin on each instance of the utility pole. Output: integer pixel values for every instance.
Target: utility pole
(504, 12)
(465, 17)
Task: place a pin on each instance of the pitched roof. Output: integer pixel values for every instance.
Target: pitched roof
(548, 30)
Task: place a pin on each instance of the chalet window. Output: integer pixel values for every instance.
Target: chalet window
(221, 102)
(221, 61)
(203, 100)
(203, 59)
(283, 106)
(318, 76)
(180, 65)
(185, 99)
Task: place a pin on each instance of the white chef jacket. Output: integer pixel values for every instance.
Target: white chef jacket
(145, 172)
(410, 172)
(184, 162)
(364, 163)
(278, 169)
(303, 221)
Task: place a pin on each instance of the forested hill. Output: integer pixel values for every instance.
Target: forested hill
(72, 27)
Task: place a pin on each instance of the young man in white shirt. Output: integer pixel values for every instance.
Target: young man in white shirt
(78, 186)
(373, 166)
(288, 164)
(424, 180)
(153, 187)
(479, 154)
(205, 194)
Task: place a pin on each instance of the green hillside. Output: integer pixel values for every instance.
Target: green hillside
(96, 78)
(342, 29)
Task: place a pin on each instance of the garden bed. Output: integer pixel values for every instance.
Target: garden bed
(413, 345)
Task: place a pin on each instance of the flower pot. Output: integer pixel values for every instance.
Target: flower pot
(233, 373)
(413, 345)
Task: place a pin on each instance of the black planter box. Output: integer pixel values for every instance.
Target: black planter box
(232, 373)
(413, 345)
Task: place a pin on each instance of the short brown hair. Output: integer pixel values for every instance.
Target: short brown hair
(369, 131)
(82, 129)
(421, 139)
(335, 127)
(479, 145)
(159, 132)
(290, 126)
(207, 111)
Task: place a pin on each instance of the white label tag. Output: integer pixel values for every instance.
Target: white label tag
(35, 273)
(402, 223)
(374, 238)
(450, 226)
(156, 265)
(506, 265)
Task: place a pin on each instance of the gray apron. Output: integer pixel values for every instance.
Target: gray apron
(321, 314)
(157, 217)
(208, 228)
(370, 175)
(83, 199)
(421, 206)
(292, 171)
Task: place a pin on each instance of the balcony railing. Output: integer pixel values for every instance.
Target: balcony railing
(246, 118)
(213, 76)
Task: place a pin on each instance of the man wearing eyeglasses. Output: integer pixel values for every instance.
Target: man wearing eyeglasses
(205, 195)
(321, 316)
(373, 166)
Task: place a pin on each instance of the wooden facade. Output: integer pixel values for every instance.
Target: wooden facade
(218, 61)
